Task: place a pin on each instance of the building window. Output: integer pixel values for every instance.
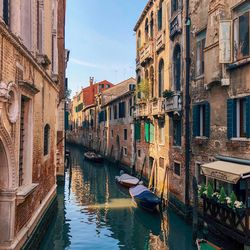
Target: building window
(46, 139)
(40, 18)
(112, 133)
(149, 131)
(25, 148)
(177, 168)
(201, 120)
(110, 113)
(241, 36)
(139, 153)
(238, 117)
(201, 179)
(160, 16)
(152, 25)
(138, 42)
(146, 30)
(115, 111)
(161, 78)
(137, 131)
(200, 45)
(125, 132)
(125, 151)
(130, 106)
(175, 5)
(6, 11)
(161, 132)
(161, 162)
(152, 81)
(107, 86)
(177, 67)
(177, 132)
(122, 110)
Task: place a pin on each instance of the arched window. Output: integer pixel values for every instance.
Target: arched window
(46, 139)
(146, 30)
(151, 76)
(161, 78)
(152, 25)
(138, 83)
(139, 40)
(177, 67)
(175, 5)
(160, 16)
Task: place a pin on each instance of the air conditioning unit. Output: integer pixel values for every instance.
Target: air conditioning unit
(131, 87)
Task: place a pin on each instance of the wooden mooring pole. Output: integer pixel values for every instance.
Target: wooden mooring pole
(195, 209)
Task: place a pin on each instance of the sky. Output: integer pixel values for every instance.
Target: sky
(101, 40)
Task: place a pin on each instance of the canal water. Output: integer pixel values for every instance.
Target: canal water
(96, 213)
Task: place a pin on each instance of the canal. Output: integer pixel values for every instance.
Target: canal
(95, 213)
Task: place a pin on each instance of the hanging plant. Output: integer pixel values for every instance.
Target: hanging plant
(143, 89)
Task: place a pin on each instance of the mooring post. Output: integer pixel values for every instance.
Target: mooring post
(195, 209)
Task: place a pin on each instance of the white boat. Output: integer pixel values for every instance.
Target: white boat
(127, 180)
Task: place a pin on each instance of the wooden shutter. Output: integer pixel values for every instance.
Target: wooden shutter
(146, 131)
(231, 118)
(151, 132)
(225, 47)
(248, 116)
(137, 130)
(207, 119)
(196, 120)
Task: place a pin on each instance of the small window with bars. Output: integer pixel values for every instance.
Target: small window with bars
(46, 139)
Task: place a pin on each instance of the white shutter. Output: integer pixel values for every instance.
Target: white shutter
(225, 46)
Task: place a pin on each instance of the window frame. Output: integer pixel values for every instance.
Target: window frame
(174, 168)
(46, 140)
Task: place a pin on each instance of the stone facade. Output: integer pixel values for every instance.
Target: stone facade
(28, 117)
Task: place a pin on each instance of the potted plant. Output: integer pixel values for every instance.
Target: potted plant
(167, 94)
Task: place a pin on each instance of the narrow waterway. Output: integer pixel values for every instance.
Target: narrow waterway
(96, 213)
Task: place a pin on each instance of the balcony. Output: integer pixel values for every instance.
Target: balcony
(173, 103)
(234, 223)
(142, 110)
(146, 53)
(160, 41)
(175, 26)
(158, 107)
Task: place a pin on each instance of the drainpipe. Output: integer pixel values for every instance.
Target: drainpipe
(187, 106)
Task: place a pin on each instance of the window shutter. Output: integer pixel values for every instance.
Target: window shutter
(196, 120)
(151, 132)
(248, 116)
(231, 118)
(137, 131)
(207, 119)
(146, 131)
(225, 50)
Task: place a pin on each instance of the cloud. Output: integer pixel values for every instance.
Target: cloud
(87, 64)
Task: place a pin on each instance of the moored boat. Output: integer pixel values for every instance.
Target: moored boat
(144, 198)
(127, 180)
(92, 156)
(206, 245)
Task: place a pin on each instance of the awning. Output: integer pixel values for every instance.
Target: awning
(225, 171)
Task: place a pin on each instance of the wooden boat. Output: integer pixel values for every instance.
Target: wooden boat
(206, 245)
(127, 180)
(92, 156)
(144, 198)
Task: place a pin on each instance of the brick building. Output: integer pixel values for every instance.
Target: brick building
(29, 93)
(86, 98)
(153, 84)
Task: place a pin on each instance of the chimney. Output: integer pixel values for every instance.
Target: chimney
(91, 81)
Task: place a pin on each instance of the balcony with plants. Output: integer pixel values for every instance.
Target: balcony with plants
(173, 101)
(226, 211)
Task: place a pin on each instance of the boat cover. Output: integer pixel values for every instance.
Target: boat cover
(134, 191)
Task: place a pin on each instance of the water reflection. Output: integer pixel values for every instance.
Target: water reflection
(96, 213)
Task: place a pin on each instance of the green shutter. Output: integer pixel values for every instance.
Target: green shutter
(137, 130)
(207, 119)
(146, 131)
(151, 132)
(248, 116)
(231, 118)
(196, 120)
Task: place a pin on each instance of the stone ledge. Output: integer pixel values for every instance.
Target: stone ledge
(24, 191)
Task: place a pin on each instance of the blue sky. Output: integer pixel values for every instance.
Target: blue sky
(101, 40)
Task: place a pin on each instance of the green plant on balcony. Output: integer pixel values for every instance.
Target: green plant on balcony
(167, 94)
(223, 196)
(155, 99)
(210, 191)
(143, 90)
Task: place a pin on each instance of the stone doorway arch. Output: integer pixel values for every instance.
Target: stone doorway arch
(4, 169)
